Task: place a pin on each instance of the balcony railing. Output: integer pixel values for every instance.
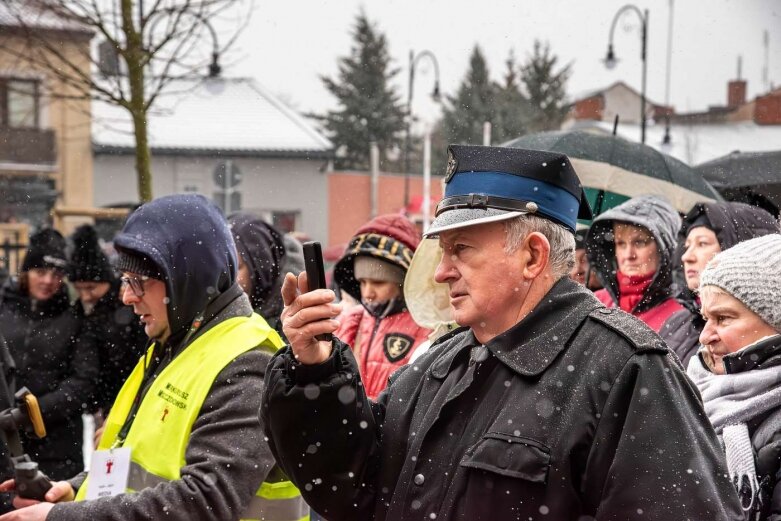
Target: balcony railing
(27, 146)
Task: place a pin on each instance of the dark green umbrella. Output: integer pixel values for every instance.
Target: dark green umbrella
(613, 169)
(749, 177)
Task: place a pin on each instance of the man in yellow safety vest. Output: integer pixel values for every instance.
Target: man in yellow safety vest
(183, 440)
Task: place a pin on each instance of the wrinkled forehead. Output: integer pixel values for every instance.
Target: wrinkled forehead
(479, 232)
(716, 301)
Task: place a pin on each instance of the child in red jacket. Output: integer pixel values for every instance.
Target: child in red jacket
(381, 331)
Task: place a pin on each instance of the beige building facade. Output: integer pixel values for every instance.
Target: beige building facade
(45, 141)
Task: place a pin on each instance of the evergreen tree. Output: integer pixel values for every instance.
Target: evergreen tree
(545, 88)
(473, 104)
(369, 107)
(512, 109)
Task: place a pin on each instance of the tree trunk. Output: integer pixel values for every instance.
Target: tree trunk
(134, 55)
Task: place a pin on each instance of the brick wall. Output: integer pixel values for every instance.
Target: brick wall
(349, 200)
(589, 108)
(767, 109)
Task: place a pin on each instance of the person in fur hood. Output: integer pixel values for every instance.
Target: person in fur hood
(738, 367)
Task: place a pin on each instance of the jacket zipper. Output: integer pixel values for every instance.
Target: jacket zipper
(371, 342)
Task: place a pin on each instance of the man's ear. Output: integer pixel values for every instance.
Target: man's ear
(537, 253)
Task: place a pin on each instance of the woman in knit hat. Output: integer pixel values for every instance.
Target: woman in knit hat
(738, 367)
(54, 358)
(382, 332)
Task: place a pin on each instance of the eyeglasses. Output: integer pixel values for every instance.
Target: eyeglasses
(136, 284)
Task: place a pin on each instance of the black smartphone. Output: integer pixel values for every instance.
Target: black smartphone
(315, 273)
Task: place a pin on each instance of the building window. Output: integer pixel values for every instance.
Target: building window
(19, 103)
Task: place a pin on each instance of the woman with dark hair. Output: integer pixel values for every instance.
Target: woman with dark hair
(54, 360)
(706, 230)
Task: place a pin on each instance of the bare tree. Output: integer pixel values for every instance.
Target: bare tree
(145, 45)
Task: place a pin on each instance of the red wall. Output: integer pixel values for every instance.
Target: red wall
(349, 200)
(589, 108)
(767, 109)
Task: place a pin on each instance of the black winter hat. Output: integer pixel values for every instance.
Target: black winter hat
(88, 262)
(46, 250)
(134, 262)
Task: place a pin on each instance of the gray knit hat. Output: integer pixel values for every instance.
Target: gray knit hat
(750, 271)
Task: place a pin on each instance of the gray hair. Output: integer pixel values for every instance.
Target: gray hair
(562, 240)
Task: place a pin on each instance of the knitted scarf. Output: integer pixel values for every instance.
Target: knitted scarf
(631, 289)
(730, 401)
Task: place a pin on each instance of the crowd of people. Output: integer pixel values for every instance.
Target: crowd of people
(507, 363)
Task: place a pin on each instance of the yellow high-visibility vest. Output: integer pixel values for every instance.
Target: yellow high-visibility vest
(159, 435)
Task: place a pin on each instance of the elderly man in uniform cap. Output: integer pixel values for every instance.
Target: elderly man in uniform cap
(543, 405)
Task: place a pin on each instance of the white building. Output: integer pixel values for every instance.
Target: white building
(200, 129)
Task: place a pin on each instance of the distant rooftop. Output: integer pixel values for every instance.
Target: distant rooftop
(213, 116)
(18, 13)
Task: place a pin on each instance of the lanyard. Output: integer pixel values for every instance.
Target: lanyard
(140, 393)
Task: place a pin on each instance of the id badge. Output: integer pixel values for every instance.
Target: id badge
(108, 473)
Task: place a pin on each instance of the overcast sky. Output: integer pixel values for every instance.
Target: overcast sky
(288, 44)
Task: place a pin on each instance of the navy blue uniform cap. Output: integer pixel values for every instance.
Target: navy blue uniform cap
(488, 184)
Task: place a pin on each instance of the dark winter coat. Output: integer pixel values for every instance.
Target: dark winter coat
(226, 458)
(120, 340)
(7, 389)
(58, 363)
(661, 219)
(732, 223)
(262, 248)
(576, 412)
(764, 430)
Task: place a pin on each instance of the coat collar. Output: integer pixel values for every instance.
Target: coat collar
(530, 346)
(760, 355)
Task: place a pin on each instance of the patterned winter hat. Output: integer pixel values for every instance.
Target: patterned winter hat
(751, 272)
(390, 238)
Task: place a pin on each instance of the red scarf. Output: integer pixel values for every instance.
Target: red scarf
(631, 289)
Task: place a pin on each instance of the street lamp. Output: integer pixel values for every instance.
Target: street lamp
(413, 62)
(214, 67)
(610, 58)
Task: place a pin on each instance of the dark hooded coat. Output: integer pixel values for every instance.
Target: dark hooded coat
(226, 459)
(262, 248)
(732, 223)
(59, 364)
(576, 412)
(661, 219)
(120, 340)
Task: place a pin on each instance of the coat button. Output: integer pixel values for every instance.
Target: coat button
(419, 479)
(605, 311)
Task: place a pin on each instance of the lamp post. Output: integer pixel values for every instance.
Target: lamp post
(214, 67)
(413, 62)
(610, 58)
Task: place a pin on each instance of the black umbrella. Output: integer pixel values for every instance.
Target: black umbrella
(613, 169)
(748, 177)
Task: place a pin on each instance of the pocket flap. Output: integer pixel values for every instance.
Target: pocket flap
(511, 456)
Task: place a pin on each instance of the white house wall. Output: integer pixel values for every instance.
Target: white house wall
(623, 101)
(267, 185)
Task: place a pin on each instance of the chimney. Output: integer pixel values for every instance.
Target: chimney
(736, 93)
(736, 89)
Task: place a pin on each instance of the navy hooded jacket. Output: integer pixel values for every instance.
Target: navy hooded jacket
(187, 237)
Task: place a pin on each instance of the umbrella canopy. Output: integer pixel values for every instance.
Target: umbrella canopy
(749, 177)
(613, 169)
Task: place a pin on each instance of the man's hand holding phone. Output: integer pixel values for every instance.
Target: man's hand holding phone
(309, 314)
